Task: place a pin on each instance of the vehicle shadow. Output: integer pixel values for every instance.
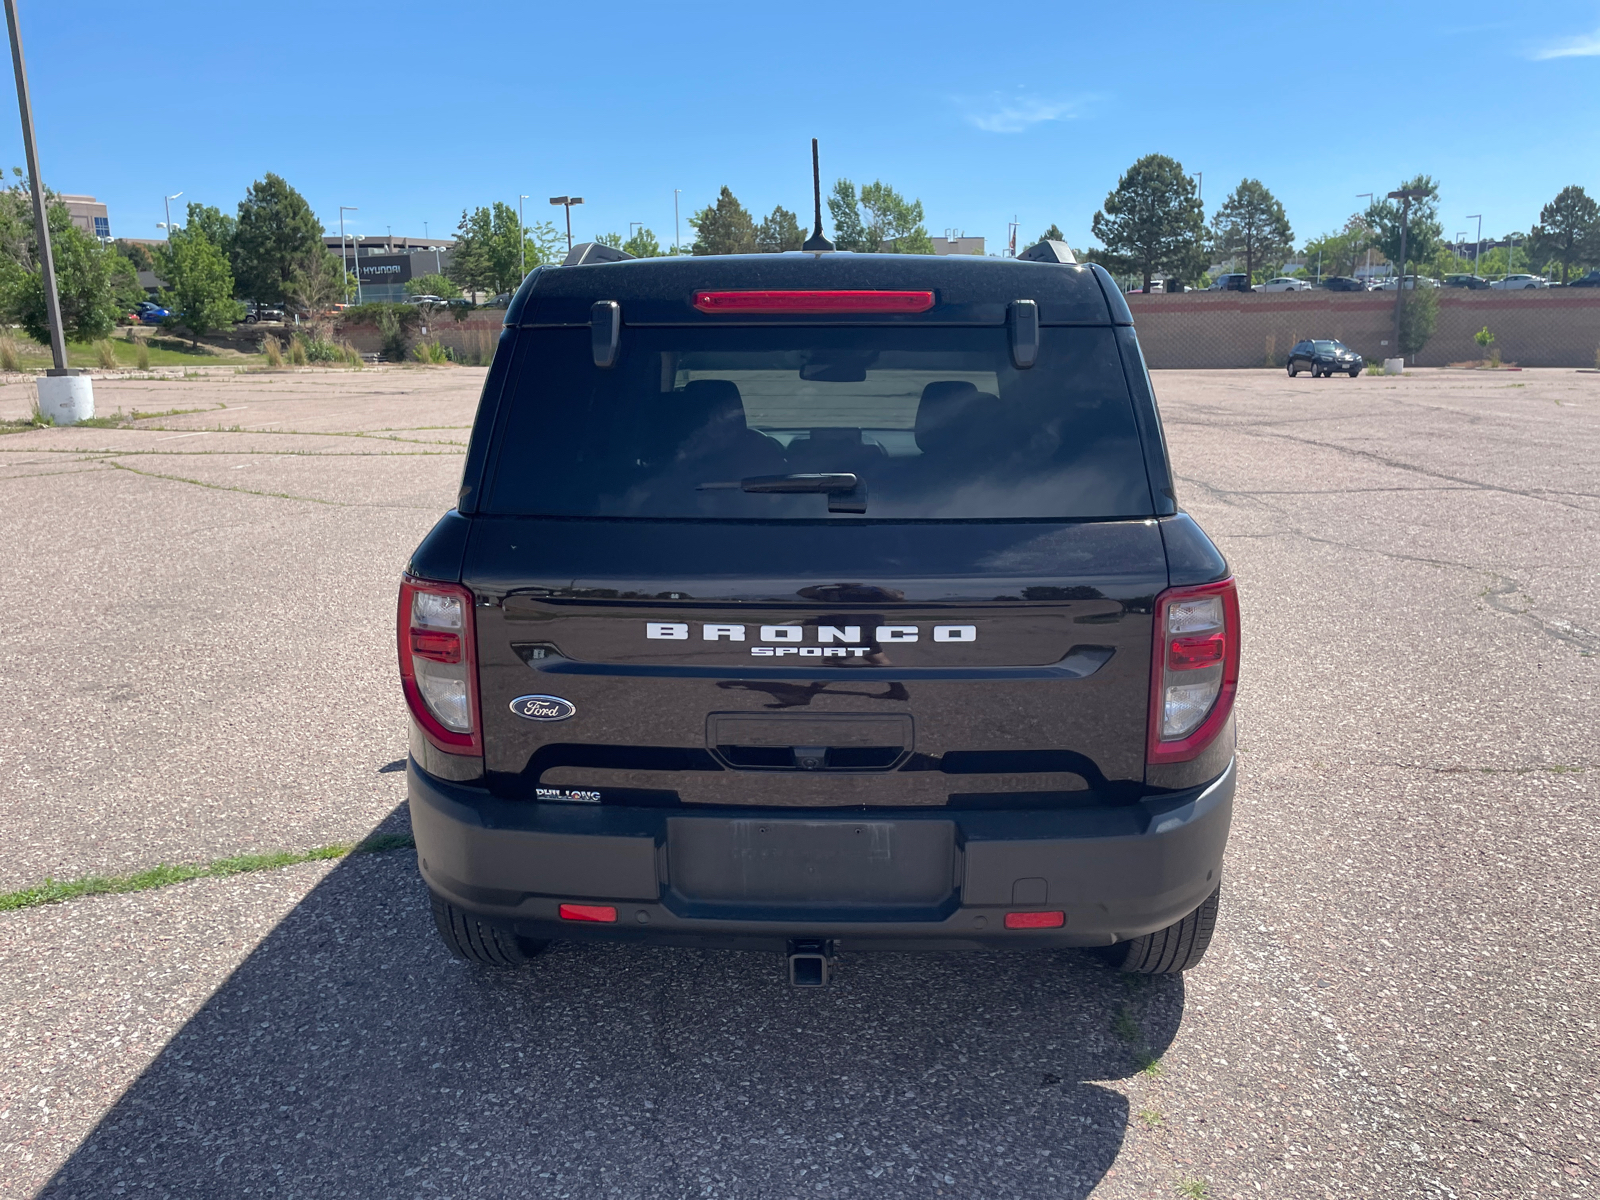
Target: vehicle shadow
(350, 1056)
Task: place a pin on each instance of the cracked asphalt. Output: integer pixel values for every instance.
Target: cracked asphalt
(1401, 1000)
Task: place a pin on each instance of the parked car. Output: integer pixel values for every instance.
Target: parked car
(255, 312)
(1041, 758)
(1323, 357)
(1342, 283)
(147, 312)
(1412, 282)
(1592, 279)
(1230, 283)
(439, 300)
(1285, 283)
(1476, 283)
(1519, 283)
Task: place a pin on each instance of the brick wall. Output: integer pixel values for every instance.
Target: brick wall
(1542, 328)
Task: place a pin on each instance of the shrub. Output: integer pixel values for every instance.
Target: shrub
(142, 355)
(433, 352)
(1484, 338)
(352, 356)
(297, 351)
(10, 355)
(274, 352)
(392, 327)
(105, 354)
(1419, 312)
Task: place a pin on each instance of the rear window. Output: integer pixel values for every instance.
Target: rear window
(705, 423)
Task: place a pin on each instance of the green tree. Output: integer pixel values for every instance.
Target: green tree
(492, 248)
(894, 224)
(1568, 230)
(614, 240)
(1153, 221)
(135, 253)
(316, 282)
(84, 284)
(199, 287)
(724, 228)
(125, 289)
(1419, 313)
(1340, 252)
(276, 230)
(642, 244)
(779, 232)
(432, 285)
(219, 228)
(1053, 234)
(849, 232)
(1423, 231)
(1251, 222)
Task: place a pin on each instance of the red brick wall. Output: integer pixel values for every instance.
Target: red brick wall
(1541, 328)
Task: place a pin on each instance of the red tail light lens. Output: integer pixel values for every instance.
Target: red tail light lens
(1194, 669)
(438, 664)
(813, 302)
(588, 912)
(1036, 920)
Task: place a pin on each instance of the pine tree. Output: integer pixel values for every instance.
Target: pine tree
(726, 228)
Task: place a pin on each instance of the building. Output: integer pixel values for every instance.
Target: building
(384, 265)
(89, 215)
(958, 245)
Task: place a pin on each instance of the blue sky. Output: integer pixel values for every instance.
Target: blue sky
(413, 111)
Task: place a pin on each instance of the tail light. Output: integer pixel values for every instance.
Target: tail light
(439, 663)
(1194, 669)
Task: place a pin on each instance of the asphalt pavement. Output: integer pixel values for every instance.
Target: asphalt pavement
(1401, 1000)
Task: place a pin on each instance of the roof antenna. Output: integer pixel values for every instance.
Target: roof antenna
(816, 243)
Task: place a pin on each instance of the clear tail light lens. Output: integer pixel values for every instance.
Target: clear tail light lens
(1194, 669)
(438, 663)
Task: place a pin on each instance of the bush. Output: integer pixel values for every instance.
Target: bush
(10, 355)
(433, 352)
(1484, 338)
(105, 354)
(1419, 313)
(392, 328)
(274, 352)
(297, 351)
(352, 355)
(142, 355)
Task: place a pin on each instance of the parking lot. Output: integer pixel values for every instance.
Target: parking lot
(1401, 1001)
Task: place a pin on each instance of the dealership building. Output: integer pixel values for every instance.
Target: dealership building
(384, 265)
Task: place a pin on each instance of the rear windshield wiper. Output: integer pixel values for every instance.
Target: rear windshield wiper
(846, 492)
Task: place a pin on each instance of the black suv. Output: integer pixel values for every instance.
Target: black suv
(1323, 357)
(814, 600)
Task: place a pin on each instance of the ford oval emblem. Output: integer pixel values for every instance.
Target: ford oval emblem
(543, 708)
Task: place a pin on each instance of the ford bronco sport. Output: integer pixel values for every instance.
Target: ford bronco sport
(817, 600)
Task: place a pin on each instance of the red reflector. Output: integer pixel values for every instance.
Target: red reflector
(1044, 920)
(432, 644)
(1189, 653)
(813, 302)
(588, 912)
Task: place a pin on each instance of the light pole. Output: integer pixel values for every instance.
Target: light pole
(677, 242)
(41, 226)
(167, 200)
(567, 202)
(344, 208)
(1368, 196)
(632, 225)
(522, 240)
(1200, 186)
(1477, 247)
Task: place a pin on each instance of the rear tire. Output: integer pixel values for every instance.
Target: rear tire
(1178, 947)
(1293, 370)
(469, 938)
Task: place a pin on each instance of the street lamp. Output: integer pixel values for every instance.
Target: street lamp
(632, 225)
(167, 200)
(567, 202)
(1368, 196)
(1477, 247)
(344, 208)
(677, 245)
(522, 239)
(1405, 196)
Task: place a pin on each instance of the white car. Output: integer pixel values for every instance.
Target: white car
(1517, 283)
(1284, 283)
(1412, 283)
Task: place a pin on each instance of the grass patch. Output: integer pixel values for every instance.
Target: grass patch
(1192, 1188)
(119, 354)
(54, 891)
(1152, 1117)
(1125, 1026)
(1149, 1064)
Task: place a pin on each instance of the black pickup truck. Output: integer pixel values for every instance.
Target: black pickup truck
(806, 601)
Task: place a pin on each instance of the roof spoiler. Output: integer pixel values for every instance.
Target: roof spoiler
(593, 252)
(1047, 251)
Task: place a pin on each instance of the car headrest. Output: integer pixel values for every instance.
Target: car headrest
(943, 414)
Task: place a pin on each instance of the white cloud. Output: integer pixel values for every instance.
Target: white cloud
(1586, 45)
(1021, 113)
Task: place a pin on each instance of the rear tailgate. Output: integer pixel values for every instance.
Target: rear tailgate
(971, 664)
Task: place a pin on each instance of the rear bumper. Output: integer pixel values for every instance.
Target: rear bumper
(871, 879)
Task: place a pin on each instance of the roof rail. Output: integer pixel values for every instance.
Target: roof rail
(1049, 251)
(593, 252)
